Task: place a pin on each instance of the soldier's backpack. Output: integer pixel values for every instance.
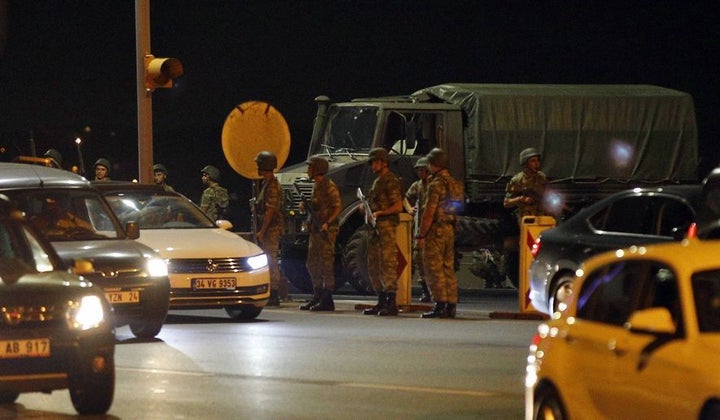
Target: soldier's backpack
(455, 200)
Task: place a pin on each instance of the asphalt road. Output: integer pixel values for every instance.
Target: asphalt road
(294, 364)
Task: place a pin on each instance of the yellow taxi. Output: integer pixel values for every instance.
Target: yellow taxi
(640, 338)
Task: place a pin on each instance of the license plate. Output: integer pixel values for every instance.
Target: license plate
(116, 298)
(14, 349)
(217, 283)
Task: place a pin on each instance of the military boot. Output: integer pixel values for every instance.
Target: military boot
(390, 308)
(326, 302)
(451, 308)
(314, 300)
(382, 298)
(425, 292)
(439, 311)
(274, 298)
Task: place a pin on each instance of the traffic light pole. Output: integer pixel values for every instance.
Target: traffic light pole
(144, 95)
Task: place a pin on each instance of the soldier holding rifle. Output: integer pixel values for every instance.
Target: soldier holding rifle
(525, 190)
(323, 208)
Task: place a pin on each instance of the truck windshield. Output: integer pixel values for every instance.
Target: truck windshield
(349, 129)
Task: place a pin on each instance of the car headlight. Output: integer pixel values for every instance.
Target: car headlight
(257, 261)
(157, 267)
(86, 313)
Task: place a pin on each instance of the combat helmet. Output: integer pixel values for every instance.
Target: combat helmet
(438, 157)
(159, 167)
(213, 172)
(527, 154)
(103, 162)
(421, 163)
(55, 155)
(378, 153)
(266, 161)
(319, 164)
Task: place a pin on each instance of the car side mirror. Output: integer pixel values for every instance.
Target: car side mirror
(651, 321)
(82, 266)
(224, 224)
(132, 230)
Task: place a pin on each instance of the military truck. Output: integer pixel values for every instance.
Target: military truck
(594, 140)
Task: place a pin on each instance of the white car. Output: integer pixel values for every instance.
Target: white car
(208, 266)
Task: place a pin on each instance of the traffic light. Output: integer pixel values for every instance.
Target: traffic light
(160, 72)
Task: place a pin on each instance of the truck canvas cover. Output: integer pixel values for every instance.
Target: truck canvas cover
(595, 133)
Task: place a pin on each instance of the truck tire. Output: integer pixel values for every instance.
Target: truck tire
(478, 232)
(295, 271)
(354, 260)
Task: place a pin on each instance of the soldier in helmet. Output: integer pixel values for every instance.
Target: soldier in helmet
(437, 238)
(160, 174)
(323, 226)
(386, 202)
(214, 201)
(55, 157)
(525, 190)
(102, 170)
(413, 202)
(269, 210)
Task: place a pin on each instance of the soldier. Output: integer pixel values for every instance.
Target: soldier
(214, 201)
(525, 190)
(437, 238)
(55, 157)
(269, 210)
(160, 174)
(386, 203)
(102, 170)
(325, 206)
(413, 203)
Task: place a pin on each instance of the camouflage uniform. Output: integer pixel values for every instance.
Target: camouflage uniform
(416, 194)
(214, 197)
(382, 259)
(270, 196)
(529, 184)
(439, 247)
(321, 248)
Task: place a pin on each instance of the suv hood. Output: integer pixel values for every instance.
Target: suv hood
(197, 243)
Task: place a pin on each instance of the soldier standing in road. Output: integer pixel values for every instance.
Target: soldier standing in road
(269, 211)
(386, 203)
(437, 238)
(102, 170)
(413, 202)
(526, 189)
(325, 206)
(160, 174)
(214, 201)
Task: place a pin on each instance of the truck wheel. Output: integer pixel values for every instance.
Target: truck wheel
(478, 232)
(354, 259)
(92, 392)
(296, 272)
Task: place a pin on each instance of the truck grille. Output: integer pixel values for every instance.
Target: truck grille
(208, 265)
(291, 199)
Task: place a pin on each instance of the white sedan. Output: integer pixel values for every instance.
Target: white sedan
(208, 266)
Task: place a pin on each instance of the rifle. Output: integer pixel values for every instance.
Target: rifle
(369, 217)
(253, 209)
(308, 209)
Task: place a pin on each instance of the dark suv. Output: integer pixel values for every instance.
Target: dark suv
(632, 217)
(78, 222)
(56, 329)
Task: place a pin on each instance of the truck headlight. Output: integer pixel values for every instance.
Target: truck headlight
(86, 313)
(258, 261)
(157, 267)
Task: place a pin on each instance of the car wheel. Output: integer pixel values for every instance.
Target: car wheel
(8, 397)
(548, 405)
(354, 259)
(243, 312)
(562, 293)
(146, 329)
(710, 411)
(92, 392)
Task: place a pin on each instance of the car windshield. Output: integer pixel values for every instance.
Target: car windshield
(349, 130)
(67, 214)
(706, 291)
(21, 252)
(157, 210)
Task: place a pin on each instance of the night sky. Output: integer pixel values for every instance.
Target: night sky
(67, 68)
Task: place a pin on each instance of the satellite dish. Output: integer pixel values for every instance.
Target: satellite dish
(250, 128)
